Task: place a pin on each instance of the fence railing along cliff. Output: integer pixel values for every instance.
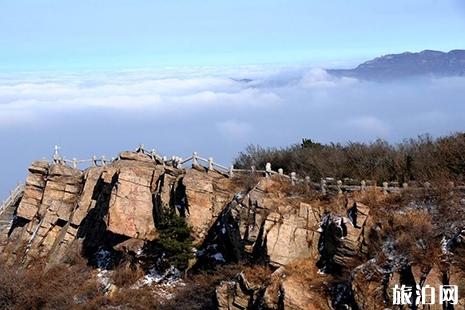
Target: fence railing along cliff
(13, 197)
(323, 184)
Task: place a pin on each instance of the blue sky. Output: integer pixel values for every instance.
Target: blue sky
(91, 34)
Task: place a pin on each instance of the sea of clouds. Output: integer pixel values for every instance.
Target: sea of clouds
(214, 111)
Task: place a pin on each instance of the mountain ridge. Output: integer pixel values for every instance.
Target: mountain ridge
(408, 65)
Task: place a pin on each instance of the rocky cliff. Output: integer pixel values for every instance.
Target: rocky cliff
(320, 251)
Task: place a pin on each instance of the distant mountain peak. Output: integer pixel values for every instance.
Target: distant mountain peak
(407, 65)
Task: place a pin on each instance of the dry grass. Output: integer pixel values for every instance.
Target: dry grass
(305, 271)
(412, 229)
(258, 274)
(199, 291)
(126, 275)
(76, 287)
(136, 299)
(54, 288)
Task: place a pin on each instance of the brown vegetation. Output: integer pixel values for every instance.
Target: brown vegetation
(421, 159)
(76, 287)
(415, 223)
(198, 293)
(126, 275)
(60, 287)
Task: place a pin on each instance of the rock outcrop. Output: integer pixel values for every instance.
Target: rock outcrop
(264, 224)
(284, 291)
(236, 294)
(109, 204)
(316, 245)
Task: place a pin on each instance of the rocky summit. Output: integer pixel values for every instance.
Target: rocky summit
(145, 234)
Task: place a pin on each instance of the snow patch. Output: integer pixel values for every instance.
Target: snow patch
(168, 278)
(218, 257)
(103, 277)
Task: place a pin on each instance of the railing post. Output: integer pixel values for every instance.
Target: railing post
(293, 178)
(280, 171)
(94, 160)
(56, 154)
(210, 163)
(307, 182)
(194, 159)
(339, 187)
(179, 165)
(363, 185)
(103, 160)
(231, 171)
(253, 169)
(385, 187)
(268, 169)
(323, 186)
(153, 154)
(74, 163)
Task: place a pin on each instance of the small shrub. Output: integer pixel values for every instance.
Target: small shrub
(175, 240)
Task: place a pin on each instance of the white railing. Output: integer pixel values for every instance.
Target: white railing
(15, 194)
(197, 161)
(99, 161)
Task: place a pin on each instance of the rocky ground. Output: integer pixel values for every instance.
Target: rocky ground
(115, 237)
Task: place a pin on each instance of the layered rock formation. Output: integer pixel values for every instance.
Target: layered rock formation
(109, 204)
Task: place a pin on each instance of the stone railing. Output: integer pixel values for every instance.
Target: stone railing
(13, 197)
(94, 161)
(209, 164)
(175, 161)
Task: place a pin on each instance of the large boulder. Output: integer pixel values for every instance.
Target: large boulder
(130, 211)
(206, 195)
(291, 234)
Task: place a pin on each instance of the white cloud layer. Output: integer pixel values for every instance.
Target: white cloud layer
(212, 111)
(313, 96)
